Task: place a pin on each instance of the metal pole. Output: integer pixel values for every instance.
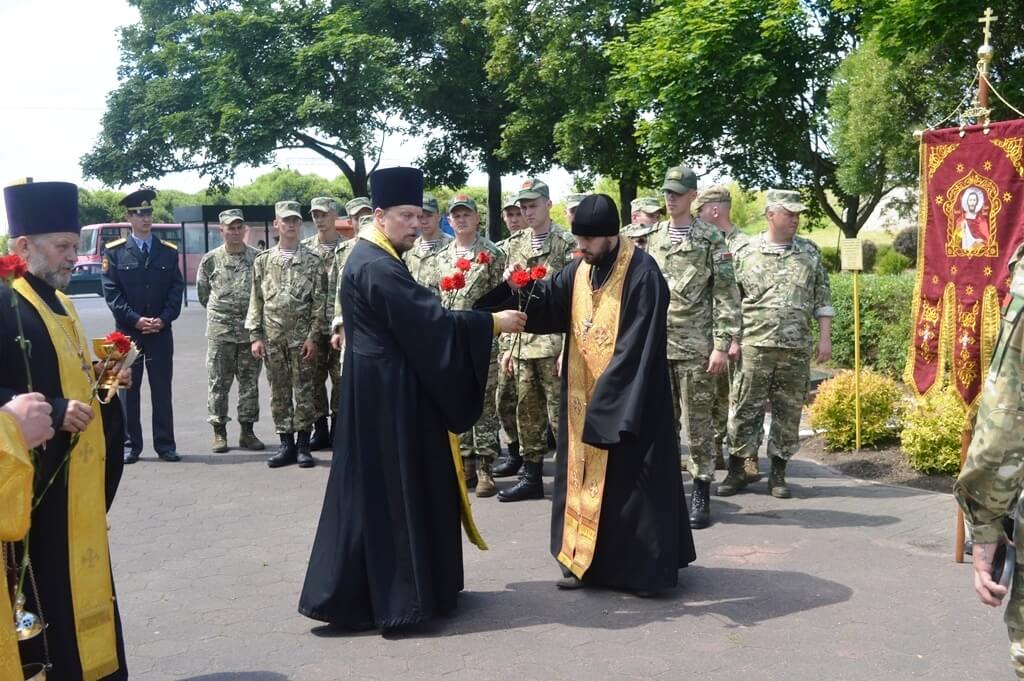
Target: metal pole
(856, 357)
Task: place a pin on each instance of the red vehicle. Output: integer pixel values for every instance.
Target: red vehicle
(95, 238)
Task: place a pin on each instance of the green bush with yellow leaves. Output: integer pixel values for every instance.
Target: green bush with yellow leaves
(834, 410)
(932, 431)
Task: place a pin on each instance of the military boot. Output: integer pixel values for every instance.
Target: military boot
(247, 439)
(220, 438)
(485, 481)
(511, 464)
(700, 505)
(321, 435)
(735, 480)
(286, 453)
(469, 471)
(750, 469)
(530, 485)
(720, 464)
(777, 479)
(305, 458)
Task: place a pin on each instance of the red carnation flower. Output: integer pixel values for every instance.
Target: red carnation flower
(520, 278)
(12, 267)
(446, 283)
(484, 258)
(538, 272)
(121, 342)
(463, 264)
(459, 280)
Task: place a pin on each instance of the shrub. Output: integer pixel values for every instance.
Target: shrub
(870, 252)
(834, 409)
(932, 431)
(892, 263)
(885, 321)
(830, 256)
(905, 244)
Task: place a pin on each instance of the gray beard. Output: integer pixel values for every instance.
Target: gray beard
(38, 266)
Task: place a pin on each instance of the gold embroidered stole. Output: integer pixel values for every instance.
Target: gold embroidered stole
(594, 329)
(15, 512)
(375, 236)
(92, 597)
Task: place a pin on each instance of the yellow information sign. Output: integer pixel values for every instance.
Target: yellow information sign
(851, 255)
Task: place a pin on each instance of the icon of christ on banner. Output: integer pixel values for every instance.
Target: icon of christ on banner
(972, 219)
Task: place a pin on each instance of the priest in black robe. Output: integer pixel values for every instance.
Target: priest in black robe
(618, 513)
(70, 584)
(388, 549)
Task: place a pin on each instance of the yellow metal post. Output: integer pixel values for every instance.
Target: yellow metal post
(856, 355)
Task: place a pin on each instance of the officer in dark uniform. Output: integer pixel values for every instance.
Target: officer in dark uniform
(143, 287)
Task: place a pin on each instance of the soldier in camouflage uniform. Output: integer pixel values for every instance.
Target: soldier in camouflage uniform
(712, 206)
(340, 258)
(223, 284)
(421, 259)
(285, 319)
(533, 359)
(324, 211)
(357, 209)
(990, 483)
(783, 287)
(505, 399)
(572, 201)
(645, 213)
(703, 320)
(479, 446)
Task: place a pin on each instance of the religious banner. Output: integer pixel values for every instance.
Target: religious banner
(970, 223)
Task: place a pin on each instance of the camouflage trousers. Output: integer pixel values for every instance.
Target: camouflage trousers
(482, 439)
(720, 408)
(693, 396)
(226, 361)
(505, 399)
(538, 391)
(291, 382)
(775, 376)
(328, 363)
(1017, 649)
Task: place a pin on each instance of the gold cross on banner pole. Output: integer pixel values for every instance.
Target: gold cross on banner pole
(988, 20)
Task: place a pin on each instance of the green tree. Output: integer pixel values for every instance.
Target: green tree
(742, 86)
(99, 205)
(210, 86)
(288, 185)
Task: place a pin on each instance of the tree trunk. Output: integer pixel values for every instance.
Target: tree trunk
(493, 168)
(850, 215)
(627, 192)
(357, 178)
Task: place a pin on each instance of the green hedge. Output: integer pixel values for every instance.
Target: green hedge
(885, 321)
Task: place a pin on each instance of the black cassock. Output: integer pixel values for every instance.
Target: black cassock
(388, 549)
(49, 532)
(644, 535)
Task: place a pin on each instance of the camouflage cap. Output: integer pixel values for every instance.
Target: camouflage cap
(230, 215)
(573, 200)
(357, 204)
(324, 203)
(636, 230)
(287, 209)
(787, 198)
(533, 189)
(716, 194)
(510, 201)
(430, 203)
(366, 221)
(645, 204)
(680, 179)
(464, 200)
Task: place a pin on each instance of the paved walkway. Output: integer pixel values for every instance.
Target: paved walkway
(847, 581)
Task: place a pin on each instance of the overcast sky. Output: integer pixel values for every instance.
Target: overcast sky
(60, 62)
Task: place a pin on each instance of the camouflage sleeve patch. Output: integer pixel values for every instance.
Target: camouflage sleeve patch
(105, 264)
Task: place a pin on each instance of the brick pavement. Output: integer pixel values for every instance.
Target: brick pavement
(847, 581)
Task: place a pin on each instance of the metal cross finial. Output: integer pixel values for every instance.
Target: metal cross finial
(988, 20)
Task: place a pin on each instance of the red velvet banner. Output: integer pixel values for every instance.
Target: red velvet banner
(970, 223)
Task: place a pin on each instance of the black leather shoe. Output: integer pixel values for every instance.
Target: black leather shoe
(700, 505)
(304, 457)
(287, 453)
(321, 436)
(569, 582)
(131, 457)
(169, 456)
(530, 485)
(510, 465)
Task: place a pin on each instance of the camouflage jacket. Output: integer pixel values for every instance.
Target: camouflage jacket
(555, 253)
(424, 266)
(781, 292)
(735, 239)
(991, 479)
(331, 275)
(479, 280)
(224, 285)
(286, 305)
(704, 304)
(341, 256)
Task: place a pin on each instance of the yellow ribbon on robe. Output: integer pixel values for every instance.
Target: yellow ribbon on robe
(15, 513)
(375, 236)
(92, 597)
